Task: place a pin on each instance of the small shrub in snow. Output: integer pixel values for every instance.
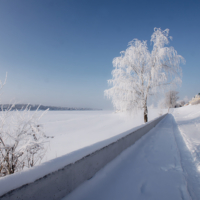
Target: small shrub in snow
(181, 103)
(22, 139)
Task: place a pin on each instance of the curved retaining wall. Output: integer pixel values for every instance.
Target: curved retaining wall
(58, 184)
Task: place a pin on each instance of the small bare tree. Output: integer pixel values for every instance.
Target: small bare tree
(171, 98)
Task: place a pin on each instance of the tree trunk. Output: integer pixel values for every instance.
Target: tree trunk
(145, 114)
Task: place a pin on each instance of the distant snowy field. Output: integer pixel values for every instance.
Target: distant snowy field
(74, 130)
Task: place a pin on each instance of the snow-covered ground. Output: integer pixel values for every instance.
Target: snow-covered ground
(74, 130)
(164, 164)
(76, 134)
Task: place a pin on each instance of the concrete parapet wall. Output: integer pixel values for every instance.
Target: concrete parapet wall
(58, 184)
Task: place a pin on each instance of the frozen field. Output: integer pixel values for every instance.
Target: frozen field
(74, 130)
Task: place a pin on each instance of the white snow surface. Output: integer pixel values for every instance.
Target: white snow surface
(76, 134)
(163, 164)
(74, 130)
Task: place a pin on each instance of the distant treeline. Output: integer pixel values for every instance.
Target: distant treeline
(41, 107)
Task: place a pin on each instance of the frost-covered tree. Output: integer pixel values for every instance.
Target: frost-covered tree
(140, 73)
(171, 98)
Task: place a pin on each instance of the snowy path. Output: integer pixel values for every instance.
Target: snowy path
(158, 166)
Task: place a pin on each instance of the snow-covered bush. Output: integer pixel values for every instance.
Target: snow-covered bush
(140, 73)
(181, 103)
(22, 139)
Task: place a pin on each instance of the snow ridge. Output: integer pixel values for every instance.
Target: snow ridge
(180, 157)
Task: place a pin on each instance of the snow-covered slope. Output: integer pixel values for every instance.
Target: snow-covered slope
(74, 130)
(188, 120)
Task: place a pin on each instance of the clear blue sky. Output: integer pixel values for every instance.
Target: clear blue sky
(60, 52)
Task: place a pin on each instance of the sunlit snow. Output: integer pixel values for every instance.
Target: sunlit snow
(163, 164)
(73, 130)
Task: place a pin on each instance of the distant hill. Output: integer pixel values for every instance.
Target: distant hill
(41, 107)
